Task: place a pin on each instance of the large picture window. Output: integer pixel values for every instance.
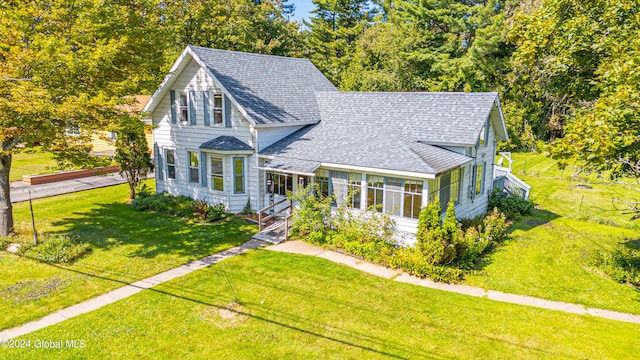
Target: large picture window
(194, 169)
(170, 156)
(238, 175)
(217, 174)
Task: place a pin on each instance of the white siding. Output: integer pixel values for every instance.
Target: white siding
(269, 136)
(472, 206)
(185, 137)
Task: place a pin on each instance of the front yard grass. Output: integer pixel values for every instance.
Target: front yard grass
(266, 305)
(547, 254)
(126, 245)
(31, 162)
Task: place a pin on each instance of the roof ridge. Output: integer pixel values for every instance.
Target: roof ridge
(248, 53)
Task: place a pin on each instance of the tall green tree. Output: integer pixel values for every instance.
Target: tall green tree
(428, 45)
(241, 25)
(604, 134)
(132, 152)
(53, 77)
(332, 33)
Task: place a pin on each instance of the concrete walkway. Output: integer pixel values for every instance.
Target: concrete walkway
(299, 247)
(20, 190)
(125, 291)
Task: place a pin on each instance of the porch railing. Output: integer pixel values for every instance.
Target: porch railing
(263, 220)
(504, 179)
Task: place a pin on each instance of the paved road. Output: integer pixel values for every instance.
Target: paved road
(20, 190)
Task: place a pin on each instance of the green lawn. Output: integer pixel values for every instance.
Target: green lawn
(31, 163)
(289, 306)
(546, 256)
(126, 245)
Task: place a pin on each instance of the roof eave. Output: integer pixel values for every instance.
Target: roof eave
(179, 64)
(286, 124)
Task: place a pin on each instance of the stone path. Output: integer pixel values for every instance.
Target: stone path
(125, 291)
(299, 247)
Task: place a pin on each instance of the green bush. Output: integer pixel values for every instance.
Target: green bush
(181, 206)
(514, 207)
(4, 242)
(312, 214)
(55, 249)
(411, 260)
(165, 204)
(620, 263)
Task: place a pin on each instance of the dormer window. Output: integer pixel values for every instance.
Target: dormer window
(217, 109)
(184, 108)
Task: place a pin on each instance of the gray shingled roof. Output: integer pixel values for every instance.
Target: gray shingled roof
(393, 131)
(226, 143)
(272, 89)
(304, 167)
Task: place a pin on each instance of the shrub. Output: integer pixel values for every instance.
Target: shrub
(312, 214)
(246, 210)
(181, 206)
(201, 209)
(55, 249)
(411, 260)
(217, 212)
(514, 207)
(166, 204)
(620, 263)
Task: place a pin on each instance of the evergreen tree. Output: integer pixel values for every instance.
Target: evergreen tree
(332, 32)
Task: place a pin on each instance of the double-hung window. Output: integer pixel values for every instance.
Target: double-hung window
(170, 156)
(393, 196)
(412, 198)
(184, 108)
(194, 169)
(479, 185)
(354, 190)
(217, 174)
(217, 109)
(238, 175)
(322, 182)
(375, 191)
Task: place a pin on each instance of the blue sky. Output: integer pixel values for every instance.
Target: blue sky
(303, 7)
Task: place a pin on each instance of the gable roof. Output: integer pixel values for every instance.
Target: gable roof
(268, 90)
(391, 131)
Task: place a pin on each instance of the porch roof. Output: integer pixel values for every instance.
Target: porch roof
(226, 143)
(292, 166)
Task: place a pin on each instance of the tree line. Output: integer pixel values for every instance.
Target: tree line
(568, 71)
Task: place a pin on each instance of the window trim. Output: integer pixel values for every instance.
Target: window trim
(167, 164)
(190, 168)
(481, 167)
(214, 176)
(72, 130)
(183, 110)
(217, 110)
(241, 175)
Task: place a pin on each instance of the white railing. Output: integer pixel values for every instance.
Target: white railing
(510, 182)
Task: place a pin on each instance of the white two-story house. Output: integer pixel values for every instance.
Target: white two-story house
(243, 129)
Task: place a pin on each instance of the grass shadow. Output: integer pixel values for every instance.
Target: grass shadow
(108, 226)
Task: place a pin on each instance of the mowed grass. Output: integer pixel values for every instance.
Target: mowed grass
(266, 305)
(31, 163)
(547, 254)
(126, 245)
